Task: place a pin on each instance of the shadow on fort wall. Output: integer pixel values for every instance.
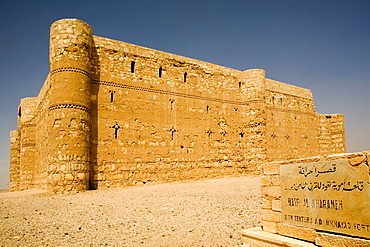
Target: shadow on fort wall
(94, 105)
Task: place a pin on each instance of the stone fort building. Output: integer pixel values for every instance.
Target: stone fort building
(113, 114)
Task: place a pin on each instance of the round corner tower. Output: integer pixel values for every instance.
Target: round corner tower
(14, 161)
(68, 124)
(254, 80)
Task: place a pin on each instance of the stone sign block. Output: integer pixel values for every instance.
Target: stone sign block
(329, 195)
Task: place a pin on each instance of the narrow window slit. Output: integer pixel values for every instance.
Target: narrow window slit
(112, 95)
(116, 127)
(132, 67)
(172, 101)
(160, 72)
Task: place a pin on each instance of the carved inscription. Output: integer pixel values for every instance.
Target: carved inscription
(329, 195)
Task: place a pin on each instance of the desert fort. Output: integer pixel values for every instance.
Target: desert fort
(111, 114)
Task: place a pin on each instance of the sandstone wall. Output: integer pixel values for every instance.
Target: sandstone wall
(14, 178)
(153, 124)
(42, 135)
(291, 122)
(331, 133)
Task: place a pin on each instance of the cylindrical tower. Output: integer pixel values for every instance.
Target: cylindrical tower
(69, 108)
(255, 123)
(14, 161)
(27, 114)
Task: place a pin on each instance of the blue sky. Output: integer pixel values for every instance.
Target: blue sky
(322, 45)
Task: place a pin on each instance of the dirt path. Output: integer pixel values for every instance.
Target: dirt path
(202, 213)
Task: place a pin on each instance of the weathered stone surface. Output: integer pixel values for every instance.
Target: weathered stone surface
(271, 191)
(130, 115)
(270, 168)
(276, 205)
(328, 195)
(269, 226)
(256, 237)
(357, 160)
(334, 240)
(275, 180)
(68, 177)
(270, 215)
(266, 203)
(266, 181)
(303, 233)
(81, 176)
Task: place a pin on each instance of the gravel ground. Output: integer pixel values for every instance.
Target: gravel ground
(201, 213)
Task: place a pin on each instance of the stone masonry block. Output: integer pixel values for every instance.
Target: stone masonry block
(265, 181)
(68, 177)
(269, 226)
(276, 205)
(118, 176)
(275, 180)
(81, 176)
(270, 215)
(98, 176)
(331, 240)
(257, 237)
(56, 177)
(303, 233)
(271, 191)
(357, 160)
(271, 168)
(266, 203)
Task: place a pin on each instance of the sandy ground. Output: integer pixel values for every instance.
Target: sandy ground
(201, 213)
